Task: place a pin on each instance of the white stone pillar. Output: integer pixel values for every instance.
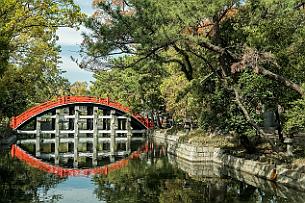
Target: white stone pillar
(113, 128)
(129, 133)
(38, 133)
(76, 134)
(95, 135)
(57, 117)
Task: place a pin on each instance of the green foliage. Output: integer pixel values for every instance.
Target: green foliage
(136, 87)
(179, 94)
(79, 89)
(227, 61)
(295, 117)
(29, 56)
(121, 85)
(28, 29)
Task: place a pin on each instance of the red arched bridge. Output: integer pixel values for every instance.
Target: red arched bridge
(78, 126)
(17, 121)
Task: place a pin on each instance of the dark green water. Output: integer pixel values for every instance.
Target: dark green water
(147, 179)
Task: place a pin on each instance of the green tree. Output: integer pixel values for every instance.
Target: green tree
(28, 29)
(29, 56)
(79, 88)
(181, 98)
(136, 87)
(243, 55)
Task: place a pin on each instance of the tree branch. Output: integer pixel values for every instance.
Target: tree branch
(174, 60)
(187, 68)
(212, 47)
(300, 5)
(273, 76)
(257, 69)
(245, 112)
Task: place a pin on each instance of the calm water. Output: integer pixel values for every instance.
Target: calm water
(153, 177)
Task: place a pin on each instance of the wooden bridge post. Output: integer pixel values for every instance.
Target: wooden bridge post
(38, 132)
(113, 128)
(129, 133)
(95, 135)
(76, 133)
(57, 136)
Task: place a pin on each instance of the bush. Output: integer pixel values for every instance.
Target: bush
(5, 130)
(295, 117)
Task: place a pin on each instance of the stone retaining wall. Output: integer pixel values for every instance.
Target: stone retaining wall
(281, 173)
(203, 170)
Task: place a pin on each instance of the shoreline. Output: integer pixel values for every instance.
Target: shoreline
(283, 174)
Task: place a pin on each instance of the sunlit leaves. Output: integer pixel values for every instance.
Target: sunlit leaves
(29, 56)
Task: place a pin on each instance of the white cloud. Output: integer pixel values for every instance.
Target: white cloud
(70, 36)
(86, 6)
(74, 189)
(73, 72)
(70, 40)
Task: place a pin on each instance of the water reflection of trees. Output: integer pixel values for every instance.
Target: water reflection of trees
(21, 183)
(134, 183)
(142, 181)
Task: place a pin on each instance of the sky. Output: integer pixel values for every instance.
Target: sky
(70, 40)
(73, 189)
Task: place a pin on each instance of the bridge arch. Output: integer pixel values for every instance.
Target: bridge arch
(35, 111)
(80, 126)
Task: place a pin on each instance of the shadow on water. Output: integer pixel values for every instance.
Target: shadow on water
(151, 176)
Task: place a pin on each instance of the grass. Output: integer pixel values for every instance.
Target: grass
(174, 130)
(299, 156)
(200, 138)
(299, 162)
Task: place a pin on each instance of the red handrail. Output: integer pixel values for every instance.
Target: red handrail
(60, 101)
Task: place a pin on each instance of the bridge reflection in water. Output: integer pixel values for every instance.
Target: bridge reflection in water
(32, 161)
(61, 171)
(78, 132)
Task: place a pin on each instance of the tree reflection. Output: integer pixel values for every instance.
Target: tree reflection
(142, 181)
(21, 183)
(155, 180)
(134, 183)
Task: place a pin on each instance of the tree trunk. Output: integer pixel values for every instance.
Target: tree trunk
(279, 125)
(158, 120)
(246, 114)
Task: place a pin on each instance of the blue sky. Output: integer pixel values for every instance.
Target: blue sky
(70, 40)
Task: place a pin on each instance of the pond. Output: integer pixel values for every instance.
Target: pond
(149, 176)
